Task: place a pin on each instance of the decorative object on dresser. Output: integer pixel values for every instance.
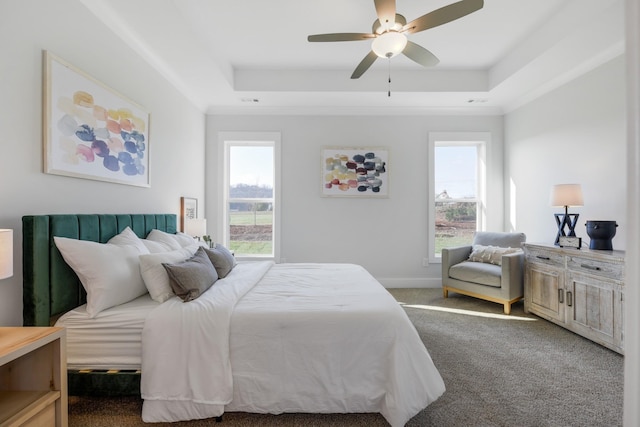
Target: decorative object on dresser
(582, 291)
(490, 269)
(570, 242)
(601, 234)
(566, 195)
(6, 253)
(188, 210)
(33, 376)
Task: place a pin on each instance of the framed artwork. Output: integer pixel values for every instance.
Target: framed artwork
(355, 172)
(91, 131)
(188, 210)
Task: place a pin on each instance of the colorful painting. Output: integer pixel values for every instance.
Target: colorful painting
(90, 131)
(355, 172)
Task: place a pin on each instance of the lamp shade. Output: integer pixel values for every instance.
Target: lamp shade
(566, 195)
(195, 227)
(6, 253)
(389, 44)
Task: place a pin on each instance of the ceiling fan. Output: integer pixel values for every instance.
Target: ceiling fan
(390, 29)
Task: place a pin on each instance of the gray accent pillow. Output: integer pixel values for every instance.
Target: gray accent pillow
(222, 259)
(191, 278)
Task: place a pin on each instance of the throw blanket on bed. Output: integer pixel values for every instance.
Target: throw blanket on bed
(317, 338)
(186, 369)
(328, 338)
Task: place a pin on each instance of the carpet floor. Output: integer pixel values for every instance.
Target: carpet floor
(516, 370)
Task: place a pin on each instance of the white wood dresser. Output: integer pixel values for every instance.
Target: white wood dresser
(580, 290)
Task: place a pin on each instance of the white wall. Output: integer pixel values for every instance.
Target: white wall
(575, 134)
(632, 269)
(176, 145)
(386, 236)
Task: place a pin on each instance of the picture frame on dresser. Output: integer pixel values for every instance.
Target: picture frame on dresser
(188, 210)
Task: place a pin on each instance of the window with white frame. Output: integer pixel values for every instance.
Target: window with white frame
(250, 202)
(456, 189)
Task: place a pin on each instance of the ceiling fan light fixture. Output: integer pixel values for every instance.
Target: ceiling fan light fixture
(389, 44)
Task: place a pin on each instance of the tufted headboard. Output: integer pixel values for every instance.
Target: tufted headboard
(50, 287)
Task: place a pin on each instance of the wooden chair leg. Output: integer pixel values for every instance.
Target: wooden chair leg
(507, 308)
(445, 292)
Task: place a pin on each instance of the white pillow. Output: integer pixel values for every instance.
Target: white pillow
(155, 247)
(184, 239)
(128, 237)
(490, 254)
(109, 273)
(166, 238)
(154, 274)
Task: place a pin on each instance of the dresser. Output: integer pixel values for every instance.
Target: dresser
(33, 377)
(580, 290)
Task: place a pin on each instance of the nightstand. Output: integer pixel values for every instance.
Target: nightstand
(33, 376)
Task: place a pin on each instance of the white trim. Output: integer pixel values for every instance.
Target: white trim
(249, 138)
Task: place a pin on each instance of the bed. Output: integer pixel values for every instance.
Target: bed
(322, 338)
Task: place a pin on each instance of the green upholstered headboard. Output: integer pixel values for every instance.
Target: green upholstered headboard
(50, 287)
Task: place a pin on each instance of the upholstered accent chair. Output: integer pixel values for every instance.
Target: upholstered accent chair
(491, 268)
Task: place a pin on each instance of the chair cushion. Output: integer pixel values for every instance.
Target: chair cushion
(477, 272)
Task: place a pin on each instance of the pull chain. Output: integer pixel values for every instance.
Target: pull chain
(389, 92)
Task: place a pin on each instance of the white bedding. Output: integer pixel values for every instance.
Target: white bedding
(305, 338)
(111, 340)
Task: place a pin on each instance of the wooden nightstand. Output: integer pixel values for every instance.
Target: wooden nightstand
(33, 376)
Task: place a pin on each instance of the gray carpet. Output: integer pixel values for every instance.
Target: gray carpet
(515, 370)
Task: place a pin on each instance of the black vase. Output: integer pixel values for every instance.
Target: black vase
(601, 233)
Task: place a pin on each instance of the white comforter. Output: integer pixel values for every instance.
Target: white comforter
(317, 338)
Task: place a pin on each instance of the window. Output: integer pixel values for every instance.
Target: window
(457, 189)
(250, 206)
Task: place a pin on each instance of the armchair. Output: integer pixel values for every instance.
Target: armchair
(490, 269)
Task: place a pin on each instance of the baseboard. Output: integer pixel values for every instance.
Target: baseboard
(424, 282)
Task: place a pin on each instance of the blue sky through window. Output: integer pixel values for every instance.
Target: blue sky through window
(456, 170)
(251, 165)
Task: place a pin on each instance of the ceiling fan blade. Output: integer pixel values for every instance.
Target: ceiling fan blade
(340, 37)
(364, 65)
(443, 15)
(386, 11)
(420, 55)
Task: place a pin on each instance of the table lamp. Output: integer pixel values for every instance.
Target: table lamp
(6, 253)
(195, 227)
(566, 195)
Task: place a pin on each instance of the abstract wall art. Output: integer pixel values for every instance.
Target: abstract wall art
(355, 172)
(90, 131)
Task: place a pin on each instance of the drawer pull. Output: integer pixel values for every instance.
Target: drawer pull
(543, 257)
(590, 267)
(561, 296)
(569, 298)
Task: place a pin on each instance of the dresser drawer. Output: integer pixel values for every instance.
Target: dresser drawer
(595, 267)
(544, 256)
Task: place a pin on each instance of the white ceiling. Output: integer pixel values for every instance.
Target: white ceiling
(224, 54)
